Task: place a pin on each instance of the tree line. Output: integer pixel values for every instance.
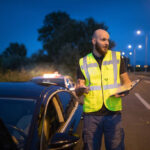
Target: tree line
(64, 41)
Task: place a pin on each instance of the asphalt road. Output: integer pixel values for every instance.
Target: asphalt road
(135, 116)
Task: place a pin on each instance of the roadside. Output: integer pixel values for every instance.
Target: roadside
(141, 75)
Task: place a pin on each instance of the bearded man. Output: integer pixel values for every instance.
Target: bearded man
(100, 73)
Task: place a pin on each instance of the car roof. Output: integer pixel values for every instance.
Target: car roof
(41, 77)
(27, 90)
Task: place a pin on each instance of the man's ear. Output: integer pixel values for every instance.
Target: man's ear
(93, 41)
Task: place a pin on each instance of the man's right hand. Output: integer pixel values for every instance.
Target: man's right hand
(81, 88)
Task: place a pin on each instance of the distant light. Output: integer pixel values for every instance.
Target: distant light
(129, 46)
(138, 66)
(138, 32)
(145, 66)
(139, 46)
(123, 53)
(130, 53)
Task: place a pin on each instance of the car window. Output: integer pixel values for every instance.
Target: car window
(70, 111)
(52, 121)
(68, 101)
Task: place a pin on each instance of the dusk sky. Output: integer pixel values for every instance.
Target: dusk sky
(20, 19)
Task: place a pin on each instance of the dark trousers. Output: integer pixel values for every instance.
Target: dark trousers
(96, 126)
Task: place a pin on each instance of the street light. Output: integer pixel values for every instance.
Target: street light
(123, 53)
(139, 46)
(129, 46)
(138, 32)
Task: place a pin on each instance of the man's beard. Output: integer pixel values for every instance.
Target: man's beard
(99, 50)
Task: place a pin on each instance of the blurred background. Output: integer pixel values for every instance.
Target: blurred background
(44, 36)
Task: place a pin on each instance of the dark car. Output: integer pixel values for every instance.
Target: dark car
(37, 117)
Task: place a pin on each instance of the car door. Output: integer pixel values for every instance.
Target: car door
(60, 115)
(52, 121)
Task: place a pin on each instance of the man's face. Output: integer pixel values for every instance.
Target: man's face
(102, 43)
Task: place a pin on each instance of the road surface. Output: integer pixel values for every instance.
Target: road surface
(135, 116)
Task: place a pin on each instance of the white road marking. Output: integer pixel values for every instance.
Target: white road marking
(147, 81)
(143, 101)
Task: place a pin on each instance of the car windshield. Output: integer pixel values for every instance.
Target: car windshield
(16, 115)
(59, 81)
(56, 80)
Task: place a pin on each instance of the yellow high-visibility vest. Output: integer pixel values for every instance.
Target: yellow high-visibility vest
(101, 82)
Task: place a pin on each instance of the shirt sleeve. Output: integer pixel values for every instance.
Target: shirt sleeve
(79, 73)
(122, 66)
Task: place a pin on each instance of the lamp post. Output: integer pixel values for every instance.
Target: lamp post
(146, 42)
(138, 32)
(134, 56)
(126, 58)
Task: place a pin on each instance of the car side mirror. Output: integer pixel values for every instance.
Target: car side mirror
(62, 141)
